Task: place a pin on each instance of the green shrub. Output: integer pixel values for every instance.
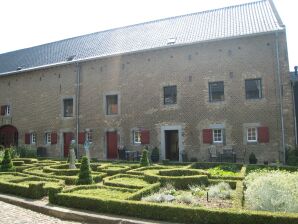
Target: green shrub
(273, 190)
(126, 180)
(252, 158)
(6, 164)
(155, 155)
(85, 172)
(221, 190)
(25, 151)
(292, 157)
(144, 160)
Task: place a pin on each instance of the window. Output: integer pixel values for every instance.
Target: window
(170, 95)
(216, 91)
(217, 136)
(112, 104)
(252, 135)
(48, 138)
(5, 110)
(89, 136)
(137, 137)
(68, 107)
(253, 88)
(32, 138)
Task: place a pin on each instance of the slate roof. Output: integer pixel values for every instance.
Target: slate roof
(234, 21)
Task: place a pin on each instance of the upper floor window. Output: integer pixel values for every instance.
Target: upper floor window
(216, 91)
(253, 88)
(112, 104)
(68, 107)
(170, 95)
(5, 110)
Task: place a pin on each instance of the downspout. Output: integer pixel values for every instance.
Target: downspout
(294, 111)
(282, 146)
(78, 70)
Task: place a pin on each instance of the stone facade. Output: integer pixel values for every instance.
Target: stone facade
(36, 97)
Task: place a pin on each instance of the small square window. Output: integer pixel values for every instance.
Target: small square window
(5, 110)
(216, 91)
(253, 88)
(33, 138)
(48, 138)
(68, 107)
(217, 136)
(137, 137)
(170, 95)
(112, 104)
(252, 134)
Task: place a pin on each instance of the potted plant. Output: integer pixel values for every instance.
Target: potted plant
(252, 158)
(155, 155)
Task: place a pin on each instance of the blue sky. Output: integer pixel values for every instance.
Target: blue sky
(33, 22)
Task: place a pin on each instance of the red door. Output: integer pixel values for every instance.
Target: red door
(8, 136)
(112, 145)
(67, 137)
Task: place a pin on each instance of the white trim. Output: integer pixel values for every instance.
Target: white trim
(32, 138)
(134, 135)
(256, 135)
(180, 140)
(221, 135)
(48, 138)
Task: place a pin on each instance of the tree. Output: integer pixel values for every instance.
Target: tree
(144, 160)
(85, 172)
(7, 164)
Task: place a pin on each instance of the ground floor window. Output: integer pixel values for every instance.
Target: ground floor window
(136, 137)
(252, 134)
(217, 136)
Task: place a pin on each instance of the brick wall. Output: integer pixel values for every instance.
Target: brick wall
(138, 79)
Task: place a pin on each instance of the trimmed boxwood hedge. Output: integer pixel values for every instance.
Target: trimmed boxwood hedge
(207, 165)
(170, 212)
(61, 170)
(180, 182)
(108, 168)
(107, 181)
(252, 167)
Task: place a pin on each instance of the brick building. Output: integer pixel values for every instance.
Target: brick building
(218, 77)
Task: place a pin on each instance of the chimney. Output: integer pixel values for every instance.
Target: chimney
(296, 72)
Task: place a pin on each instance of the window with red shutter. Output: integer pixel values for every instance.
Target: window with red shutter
(27, 138)
(207, 136)
(263, 134)
(81, 137)
(53, 138)
(145, 137)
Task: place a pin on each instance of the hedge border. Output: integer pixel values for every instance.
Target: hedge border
(171, 213)
(106, 181)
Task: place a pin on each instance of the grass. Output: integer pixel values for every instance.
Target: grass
(105, 192)
(130, 181)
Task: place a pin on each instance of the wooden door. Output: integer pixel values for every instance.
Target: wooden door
(112, 145)
(67, 137)
(8, 136)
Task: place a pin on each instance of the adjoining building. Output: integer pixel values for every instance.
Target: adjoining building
(214, 78)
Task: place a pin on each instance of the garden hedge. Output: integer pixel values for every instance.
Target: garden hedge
(252, 167)
(107, 181)
(171, 213)
(180, 182)
(108, 168)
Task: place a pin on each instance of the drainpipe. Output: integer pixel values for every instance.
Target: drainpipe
(279, 86)
(78, 70)
(294, 110)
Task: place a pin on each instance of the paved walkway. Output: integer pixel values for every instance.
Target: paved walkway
(16, 215)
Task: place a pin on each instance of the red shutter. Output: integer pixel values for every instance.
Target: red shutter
(263, 134)
(207, 136)
(27, 138)
(145, 137)
(81, 137)
(53, 138)
(3, 110)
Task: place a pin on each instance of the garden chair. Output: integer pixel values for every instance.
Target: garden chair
(213, 154)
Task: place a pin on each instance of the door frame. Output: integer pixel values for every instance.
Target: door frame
(163, 143)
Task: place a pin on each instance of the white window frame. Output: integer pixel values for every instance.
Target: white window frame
(33, 138)
(137, 139)
(7, 110)
(48, 138)
(215, 135)
(63, 102)
(255, 132)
